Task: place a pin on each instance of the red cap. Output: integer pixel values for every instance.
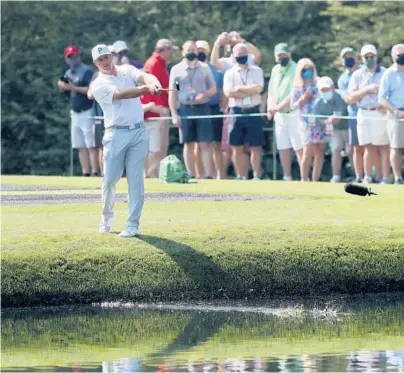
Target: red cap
(71, 49)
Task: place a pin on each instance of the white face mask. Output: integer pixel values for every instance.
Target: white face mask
(326, 96)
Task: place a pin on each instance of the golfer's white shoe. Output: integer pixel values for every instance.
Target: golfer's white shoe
(105, 225)
(128, 233)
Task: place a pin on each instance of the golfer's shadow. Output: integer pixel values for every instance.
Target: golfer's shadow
(208, 277)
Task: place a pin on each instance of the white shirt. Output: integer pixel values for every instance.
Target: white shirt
(118, 112)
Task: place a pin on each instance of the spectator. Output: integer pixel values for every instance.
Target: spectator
(217, 104)
(287, 130)
(158, 129)
(372, 132)
(331, 104)
(123, 56)
(348, 56)
(197, 86)
(303, 97)
(391, 96)
(229, 41)
(76, 81)
(243, 84)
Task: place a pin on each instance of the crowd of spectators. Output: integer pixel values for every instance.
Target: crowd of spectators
(360, 117)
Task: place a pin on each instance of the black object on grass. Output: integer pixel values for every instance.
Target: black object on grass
(359, 190)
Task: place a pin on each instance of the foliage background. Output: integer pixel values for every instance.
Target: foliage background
(35, 134)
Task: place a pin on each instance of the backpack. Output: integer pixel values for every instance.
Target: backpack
(172, 170)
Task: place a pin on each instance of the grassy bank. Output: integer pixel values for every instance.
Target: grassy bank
(325, 243)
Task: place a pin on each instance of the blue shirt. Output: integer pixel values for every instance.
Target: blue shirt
(343, 83)
(362, 78)
(81, 77)
(392, 87)
(218, 76)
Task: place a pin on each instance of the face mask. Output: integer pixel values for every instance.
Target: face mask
(349, 62)
(190, 56)
(241, 60)
(201, 56)
(370, 63)
(400, 59)
(284, 61)
(307, 74)
(72, 62)
(326, 96)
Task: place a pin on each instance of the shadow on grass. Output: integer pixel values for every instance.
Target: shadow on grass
(202, 270)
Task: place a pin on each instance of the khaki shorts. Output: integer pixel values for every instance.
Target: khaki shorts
(395, 131)
(372, 128)
(82, 129)
(158, 135)
(340, 140)
(287, 131)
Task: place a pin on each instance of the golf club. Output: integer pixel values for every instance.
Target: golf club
(358, 190)
(177, 87)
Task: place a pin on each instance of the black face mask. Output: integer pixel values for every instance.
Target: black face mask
(190, 56)
(400, 59)
(201, 56)
(284, 61)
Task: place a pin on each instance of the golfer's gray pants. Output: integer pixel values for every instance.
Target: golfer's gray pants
(124, 147)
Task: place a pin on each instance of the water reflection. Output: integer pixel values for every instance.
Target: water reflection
(158, 339)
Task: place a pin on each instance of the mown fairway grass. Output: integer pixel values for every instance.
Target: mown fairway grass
(325, 241)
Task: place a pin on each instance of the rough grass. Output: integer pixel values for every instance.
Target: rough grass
(334, 243)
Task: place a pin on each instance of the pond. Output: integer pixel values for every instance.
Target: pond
(339, 335)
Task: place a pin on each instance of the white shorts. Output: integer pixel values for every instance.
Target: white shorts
(82, 129)
(158, 135)
(340, 140)
(395, 131)
(287, 131)
(372, 128)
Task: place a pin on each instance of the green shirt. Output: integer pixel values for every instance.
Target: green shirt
(329, 107)
(281, 82)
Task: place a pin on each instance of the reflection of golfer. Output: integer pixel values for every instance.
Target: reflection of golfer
(117, 89)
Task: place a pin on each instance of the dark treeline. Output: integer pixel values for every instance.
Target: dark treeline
(35, 134)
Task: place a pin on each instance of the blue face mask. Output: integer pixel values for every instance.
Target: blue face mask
(242, 60)
(370, 63)
(307, 74)
(284, 61)
(349, 62)
(400, 59)
(326, 96)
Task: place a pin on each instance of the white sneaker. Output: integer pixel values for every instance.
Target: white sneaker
(241, 178)
(335, 179)
(105, 225)
(256, 178)
(399, 180)
(287, 178)
(129, 233)
(385, 180)
(367, 180)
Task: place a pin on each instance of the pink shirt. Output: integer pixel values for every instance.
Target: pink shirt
(237, 76)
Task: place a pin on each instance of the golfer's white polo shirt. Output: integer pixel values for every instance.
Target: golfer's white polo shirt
(119, 112)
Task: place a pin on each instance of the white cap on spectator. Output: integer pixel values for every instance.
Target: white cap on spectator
(325, 82)
(119, 46)
(111, 48)
(164, 44)
(369, 48)
(203, 44)
(99, 50)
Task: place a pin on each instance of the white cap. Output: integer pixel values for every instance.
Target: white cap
(325, 82)
(119, 46)
(99, 50)
(203, 45)
(111, 48)
(369, 48)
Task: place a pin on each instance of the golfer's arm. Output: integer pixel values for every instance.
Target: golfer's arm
(148, 79)
(386, 104)
(172, 102)
(121, 93)
(214, 57)
(82, 90)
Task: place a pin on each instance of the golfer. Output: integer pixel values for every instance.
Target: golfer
(117, 89)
